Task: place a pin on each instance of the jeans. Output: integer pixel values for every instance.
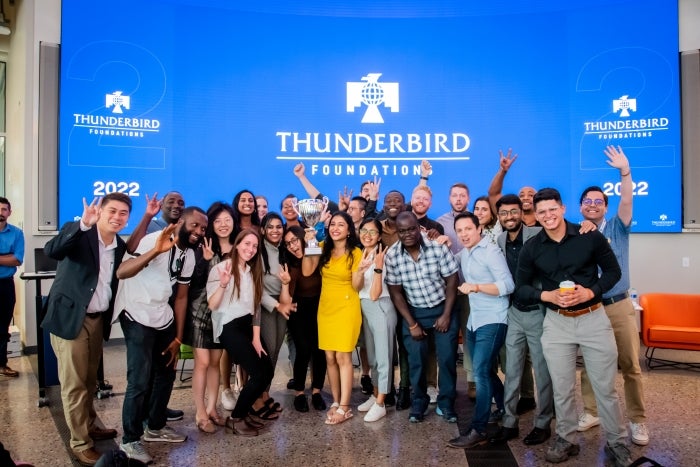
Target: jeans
(484, 344)
(144, 346)
(7, 308)
(446, 347)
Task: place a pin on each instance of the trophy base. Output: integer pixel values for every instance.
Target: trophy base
(312, 251)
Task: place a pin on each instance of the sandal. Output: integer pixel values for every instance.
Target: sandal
(218, 420)
(331, 411)
(340, 416)
(272, 405)
(206, 426)
(264, 413)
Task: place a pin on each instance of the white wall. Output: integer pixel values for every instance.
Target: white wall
(655, 259)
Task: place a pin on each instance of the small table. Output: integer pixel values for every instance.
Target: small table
(37, 277)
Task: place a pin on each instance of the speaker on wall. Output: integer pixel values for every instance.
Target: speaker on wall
(690, 105)
(47, 209)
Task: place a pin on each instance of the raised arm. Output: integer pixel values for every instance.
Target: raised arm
(311, 190)
(133, 266)
(617, 159)
(152, 209)
(496, 187)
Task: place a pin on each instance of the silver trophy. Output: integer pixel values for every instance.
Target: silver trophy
(310, 211)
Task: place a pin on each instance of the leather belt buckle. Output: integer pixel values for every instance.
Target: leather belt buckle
(579, 312)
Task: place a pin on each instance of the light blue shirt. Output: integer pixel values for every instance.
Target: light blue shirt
(485, 264)
(618, 235)
(11, 243)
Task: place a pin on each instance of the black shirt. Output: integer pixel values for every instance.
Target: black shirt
(576, 258)
(429, 224)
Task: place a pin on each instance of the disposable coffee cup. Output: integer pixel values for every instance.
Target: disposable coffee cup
(566, 286)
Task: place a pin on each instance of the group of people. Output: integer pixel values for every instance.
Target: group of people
(234, 281)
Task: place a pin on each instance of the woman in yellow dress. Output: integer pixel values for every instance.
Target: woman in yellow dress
(339, 315)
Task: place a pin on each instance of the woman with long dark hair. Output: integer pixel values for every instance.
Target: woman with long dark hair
(217, 245)
(378, 318)
(303, 323)
(339, 316)
(245, 211)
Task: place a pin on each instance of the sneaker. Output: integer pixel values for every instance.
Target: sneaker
(367, 405)
(471, 440)
(164, 435)
(496, 416)
(619, 454)
(366, 383)
(448, 415)
(290, 384)
(390, 399)
(432, 393)
(135, 450)
(376, 412)
(561, 450)
(587, 421)
(173, 415)
(640, 434)
(228, 400)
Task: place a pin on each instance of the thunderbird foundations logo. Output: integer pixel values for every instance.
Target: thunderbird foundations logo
(372, 94)
(624, 104)
(117, 101)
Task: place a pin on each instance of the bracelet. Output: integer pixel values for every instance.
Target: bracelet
(624, 175)
(178, 340)
(285, 283)
(223, 286)
(423, 178)
(415, 325)
(378, 270)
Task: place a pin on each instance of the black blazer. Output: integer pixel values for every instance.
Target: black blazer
(76, 279)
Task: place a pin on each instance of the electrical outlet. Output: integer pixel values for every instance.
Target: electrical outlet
(685, 261)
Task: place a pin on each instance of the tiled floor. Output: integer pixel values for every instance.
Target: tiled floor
(37, 435)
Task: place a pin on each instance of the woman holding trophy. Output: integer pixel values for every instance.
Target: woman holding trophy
(339, 315)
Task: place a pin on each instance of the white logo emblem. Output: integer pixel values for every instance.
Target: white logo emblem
(624, 105)
(371, 93)
(117, 101)
(663, 217)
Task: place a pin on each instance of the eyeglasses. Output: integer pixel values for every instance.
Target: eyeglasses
(223, 220)
(371, 233)
(291, 242)
(595, 202)
(512, 212)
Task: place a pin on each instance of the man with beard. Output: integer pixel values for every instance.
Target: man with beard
(170, 207)
(618, 306)
(11, 256)
(569, 272)
(79, 311)
(525, 194)
(421, 200)
(152, 329)
(524, 332)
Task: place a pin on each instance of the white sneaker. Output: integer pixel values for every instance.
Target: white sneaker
(377, 412)
(228, 400)
(587, 421)
(640, 434)
(367, 405)
(433, 394)
(135, 450)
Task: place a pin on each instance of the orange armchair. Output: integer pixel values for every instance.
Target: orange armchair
(670, 321)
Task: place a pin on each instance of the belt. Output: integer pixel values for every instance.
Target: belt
(579, 312)
(526, 308)
(93, 315)
(615, 298)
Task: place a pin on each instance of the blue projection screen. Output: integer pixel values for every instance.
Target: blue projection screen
(210, 97)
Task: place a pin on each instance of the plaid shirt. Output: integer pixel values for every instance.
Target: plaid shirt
(423, 280)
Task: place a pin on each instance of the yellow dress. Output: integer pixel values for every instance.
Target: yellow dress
(339, 315)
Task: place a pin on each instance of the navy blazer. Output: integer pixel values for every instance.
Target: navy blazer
(76, 278)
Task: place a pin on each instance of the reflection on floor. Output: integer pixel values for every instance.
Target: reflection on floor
(38, 435)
